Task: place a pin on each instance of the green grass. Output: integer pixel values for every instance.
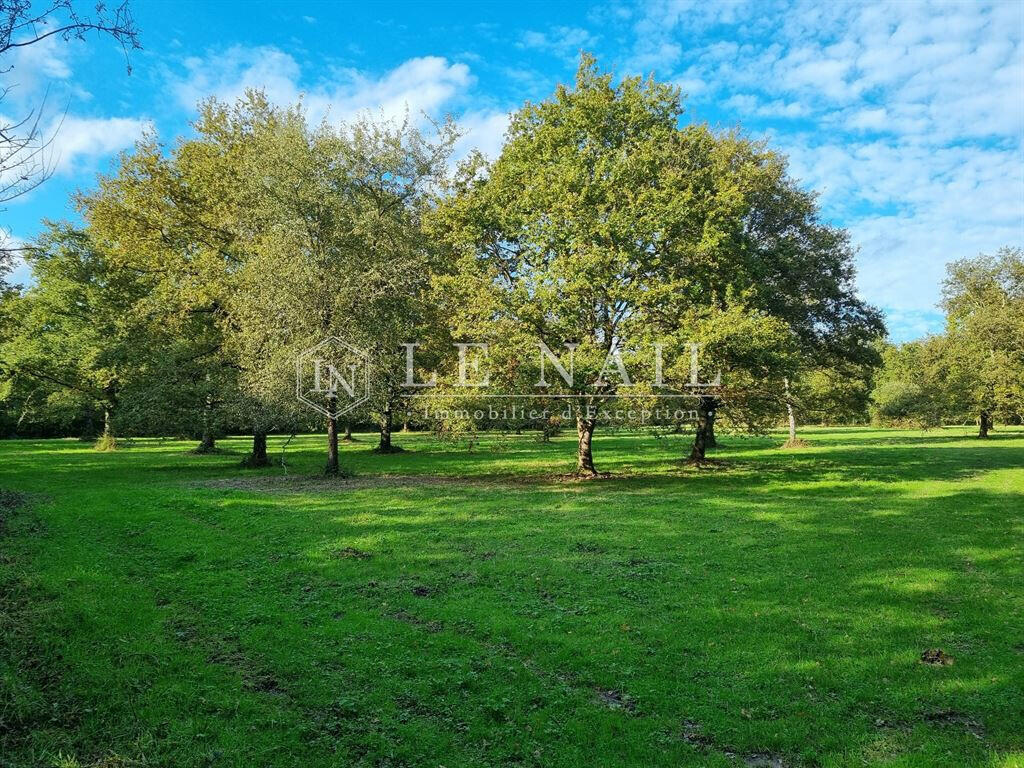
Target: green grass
(772, 612)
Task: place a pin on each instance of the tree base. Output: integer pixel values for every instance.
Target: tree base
(203, 449)
(106, 443)
(342, 473)
(584, 474)
(255, 462)
(705, 463)
(382, 451)
(796, 442)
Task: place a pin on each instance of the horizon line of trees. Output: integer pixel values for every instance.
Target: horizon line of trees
(201, 270)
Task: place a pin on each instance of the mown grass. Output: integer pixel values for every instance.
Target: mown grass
(772, 612)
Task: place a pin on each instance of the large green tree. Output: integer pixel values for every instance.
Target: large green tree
(560, 235)
(78, 333)
(984, 302)
(913, 385)
(606, 225)
(161, 215)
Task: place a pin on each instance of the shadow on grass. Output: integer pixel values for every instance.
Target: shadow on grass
(780, 607)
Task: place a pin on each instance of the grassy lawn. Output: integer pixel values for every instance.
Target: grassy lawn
(166, 609)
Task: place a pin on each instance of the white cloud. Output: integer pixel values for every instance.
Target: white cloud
(912, 208)
(228, 74)
(420, 85)
(41, 88)
(428, 85)
(908, 118)
(72, 145)
(564, 42)
(29, 70)
(81, 142)
(749, 104)
(484, 131)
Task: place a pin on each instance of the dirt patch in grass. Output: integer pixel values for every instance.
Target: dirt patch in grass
(949, 717)
(407, 618)
(617, 700)
(581, 477)
(10, 500)
(351, 553)
(693, 734)
(321, 483)
(763, 760)
(387, 451)
(936, 657)
(34, 697)
(707, 464)
(227, 652)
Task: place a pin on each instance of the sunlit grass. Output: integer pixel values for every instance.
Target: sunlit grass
(473, 607)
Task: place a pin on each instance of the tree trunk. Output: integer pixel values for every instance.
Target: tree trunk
(700, 438)
(258, 457)
(332, 436)
(107, 442)
(385, 432)
(709, 434)
(984, 424)
(790, 413)
(207, 444)
(348, 432)
(584, 449)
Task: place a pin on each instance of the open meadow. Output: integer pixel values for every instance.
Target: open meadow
(858, 601)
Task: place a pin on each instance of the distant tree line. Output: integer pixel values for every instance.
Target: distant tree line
(974, 371)
(202, 269)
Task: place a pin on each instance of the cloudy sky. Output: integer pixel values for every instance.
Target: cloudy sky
(907, 118)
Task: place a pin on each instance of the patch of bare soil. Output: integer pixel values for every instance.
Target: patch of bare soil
(319, 483)
(227, 651)
(936, 657)
(581, 477)
(763, 760)
(617, 700)
(416, 621)
(10, 500)
(949, 717)
(693, 734)
(351, 553)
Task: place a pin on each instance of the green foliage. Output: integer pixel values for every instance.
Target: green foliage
(78, 341)
(911, 387)
(607, 225)
(984, 303)
(973, 372)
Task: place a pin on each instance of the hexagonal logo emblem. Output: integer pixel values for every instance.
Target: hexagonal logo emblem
(332, 369)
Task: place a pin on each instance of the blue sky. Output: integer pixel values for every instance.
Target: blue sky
(907, 118)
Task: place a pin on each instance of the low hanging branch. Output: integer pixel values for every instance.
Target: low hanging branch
(26, 157)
